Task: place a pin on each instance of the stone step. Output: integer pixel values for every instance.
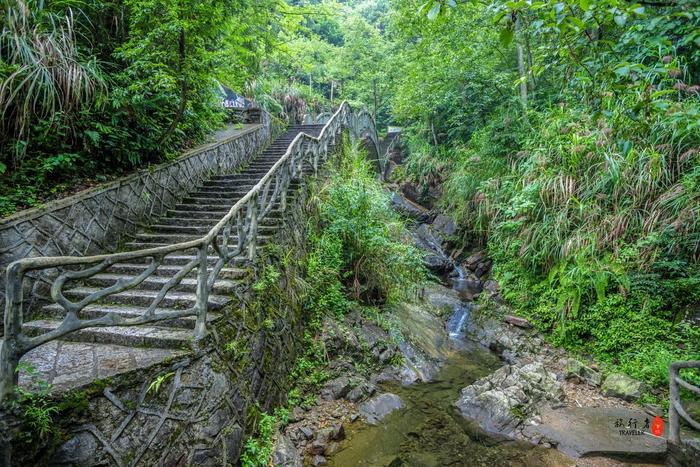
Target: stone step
(154, 282)
(134, 336)
(137, 245)
(166, 270)
(55, 311)
(200, 230)
(162, 237)
(182, 258)
(271, 219)
(224, 187)
(211, 206)
(181, 300)
(213, 214)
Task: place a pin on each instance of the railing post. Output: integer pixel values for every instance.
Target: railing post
(200, 327)
(9, 352)
(674, 429)
(285, 179)
(253, 227)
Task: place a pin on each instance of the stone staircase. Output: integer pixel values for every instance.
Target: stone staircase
(97, 352)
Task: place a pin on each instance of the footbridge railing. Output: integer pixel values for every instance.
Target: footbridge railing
(676, 411)
(233, 236)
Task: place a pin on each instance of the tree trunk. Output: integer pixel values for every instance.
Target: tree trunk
(521, 65)
(183, 90)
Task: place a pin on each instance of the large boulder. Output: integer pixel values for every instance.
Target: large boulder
(501, 402)
(435, 258)
(444, 226)
(622, 386)
(285, 454)
(407, 207)
(375, 409)
(579, 372)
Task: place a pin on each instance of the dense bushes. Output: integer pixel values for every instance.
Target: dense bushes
(359, 250)
(91, 89)
(587, 193)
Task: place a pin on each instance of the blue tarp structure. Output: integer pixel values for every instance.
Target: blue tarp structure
(231, 100)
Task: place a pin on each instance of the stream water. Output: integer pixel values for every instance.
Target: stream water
(428, 430)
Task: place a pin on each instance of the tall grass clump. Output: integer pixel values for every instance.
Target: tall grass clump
(360, 248)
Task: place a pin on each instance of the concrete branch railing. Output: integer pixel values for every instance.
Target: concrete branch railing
(675, 409)
(234, 235)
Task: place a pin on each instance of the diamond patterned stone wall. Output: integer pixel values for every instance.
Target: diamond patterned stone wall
(204, 405)
(99, 220)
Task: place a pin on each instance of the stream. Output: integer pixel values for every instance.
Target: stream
(429, 431)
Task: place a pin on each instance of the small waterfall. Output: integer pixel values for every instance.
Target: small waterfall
(456, 322)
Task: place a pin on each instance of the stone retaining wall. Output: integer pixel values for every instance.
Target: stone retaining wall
(98, 220)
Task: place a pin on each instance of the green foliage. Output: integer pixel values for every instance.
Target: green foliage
(37, 407)
(158, 382)
(581, 173)
(92, 89)
(359, 245)
(258, 449)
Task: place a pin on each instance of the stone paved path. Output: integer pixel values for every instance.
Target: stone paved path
(67, 365)
(91, 353)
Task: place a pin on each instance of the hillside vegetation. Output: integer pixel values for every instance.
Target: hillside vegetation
(565, 136)
(562, 135)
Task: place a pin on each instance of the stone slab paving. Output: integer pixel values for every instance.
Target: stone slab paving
(601, 431)
(70, 365)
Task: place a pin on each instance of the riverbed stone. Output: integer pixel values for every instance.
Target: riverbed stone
(578, 371)
(610, 431)
(336, 388)
(375, 409)
(500, 402)
(445, 226)
(622, 386)
(285, 454)
(407, 207)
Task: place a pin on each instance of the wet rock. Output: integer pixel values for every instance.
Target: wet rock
(375, 409)
(79, 450)
(318, 446)
(436, 260)
(361, 391)
(437, 263)
(500, 402)
(586, 431)
(517, 321)
(318, 460)
(482, 268)
(338, 433)
(442, 298)
(306, 431)
(474, 259)
(285, 454)
(469, 288)
(622, 386)
(577, 371)
(444, 226)
(425, 344)
(336, 388)
(407, 207)
(332, 448)
(296, 415)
